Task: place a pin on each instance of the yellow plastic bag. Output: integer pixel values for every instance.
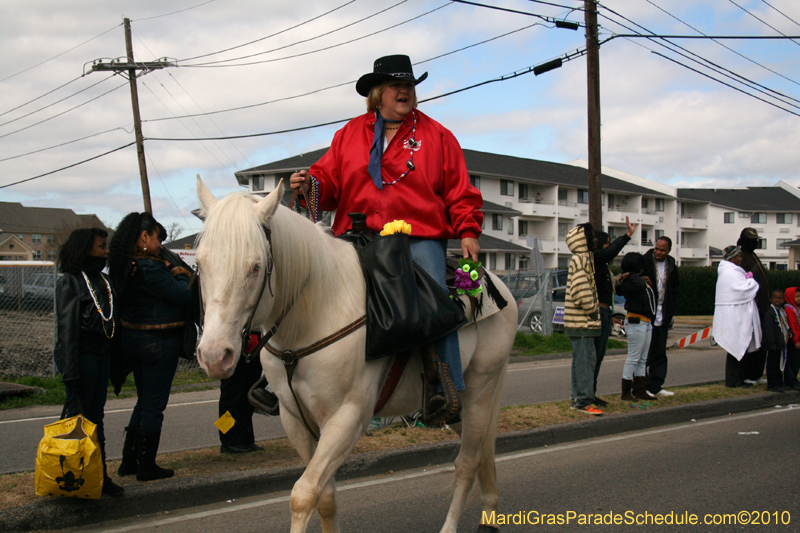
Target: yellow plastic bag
(68, 462)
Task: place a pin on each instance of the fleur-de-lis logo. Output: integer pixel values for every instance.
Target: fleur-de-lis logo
(411, 144)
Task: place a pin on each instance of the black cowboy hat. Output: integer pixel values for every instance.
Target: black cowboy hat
(397, 67)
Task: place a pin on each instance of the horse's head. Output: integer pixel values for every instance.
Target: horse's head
(235, 261)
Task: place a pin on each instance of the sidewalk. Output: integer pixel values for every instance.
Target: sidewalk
(171, 494)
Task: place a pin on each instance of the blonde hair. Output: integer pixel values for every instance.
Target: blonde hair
(376, 93)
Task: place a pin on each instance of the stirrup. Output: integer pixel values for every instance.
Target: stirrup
(264, 401)
(437, 408)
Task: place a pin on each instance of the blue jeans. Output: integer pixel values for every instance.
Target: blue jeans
(154, 359)
(431, 255)
(92, 389)
(601, 342)
(639, 336)
(583, 362)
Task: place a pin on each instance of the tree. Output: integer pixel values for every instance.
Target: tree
(174, 232)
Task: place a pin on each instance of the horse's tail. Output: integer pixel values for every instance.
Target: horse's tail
(486, 465)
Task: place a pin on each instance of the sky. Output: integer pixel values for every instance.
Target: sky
(246, 67)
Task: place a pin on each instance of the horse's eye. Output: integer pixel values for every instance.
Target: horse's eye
(256, 269)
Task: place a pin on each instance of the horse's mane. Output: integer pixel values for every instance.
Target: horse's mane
(313, 271)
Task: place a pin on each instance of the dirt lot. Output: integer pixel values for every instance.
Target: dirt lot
(26, 342)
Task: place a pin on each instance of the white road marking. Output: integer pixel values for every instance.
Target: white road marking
(56, 417)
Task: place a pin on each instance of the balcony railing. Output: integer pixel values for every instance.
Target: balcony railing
(622, 209)
(535, 201)
(699, 217)
(567, 204)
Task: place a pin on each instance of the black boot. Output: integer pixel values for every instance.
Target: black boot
(263, 400)
(640, 388)
(627, 386)
(437, 407)
(148, 469)
(109, 487)
(130, 452)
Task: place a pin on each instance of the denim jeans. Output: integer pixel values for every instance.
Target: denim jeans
(601, 342)
(92, 389)
(583, 362)
(154, 359)
(430, 255)
(639, 336)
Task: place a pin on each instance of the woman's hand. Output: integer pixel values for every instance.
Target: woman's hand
(470, 248)
(299, 179)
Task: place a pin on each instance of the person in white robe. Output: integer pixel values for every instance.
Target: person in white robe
(736, 326)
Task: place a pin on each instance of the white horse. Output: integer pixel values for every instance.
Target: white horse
(318, 278)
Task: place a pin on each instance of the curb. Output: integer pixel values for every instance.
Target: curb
(174, 494)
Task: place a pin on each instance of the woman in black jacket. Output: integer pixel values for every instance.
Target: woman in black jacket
(87, 322)
(154, 303)
(640, 304)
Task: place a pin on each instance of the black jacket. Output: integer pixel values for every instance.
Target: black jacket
(602, 277)
(751, 263)
(639, 298)
(771, 330)
(670, 288)
(80, 327)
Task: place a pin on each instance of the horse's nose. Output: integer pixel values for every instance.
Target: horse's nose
(227, 362)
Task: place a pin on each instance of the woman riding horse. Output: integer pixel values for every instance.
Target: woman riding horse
(396, 163)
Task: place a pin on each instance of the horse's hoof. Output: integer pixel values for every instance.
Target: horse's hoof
(483, 528)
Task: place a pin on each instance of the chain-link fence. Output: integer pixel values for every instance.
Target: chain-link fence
(27, 320)
(533, 296)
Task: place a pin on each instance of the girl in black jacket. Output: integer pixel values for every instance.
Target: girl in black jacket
(640, 304)
(86, 324)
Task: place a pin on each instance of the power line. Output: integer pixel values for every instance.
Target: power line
(59, 55)
(504, 77)
(298, 42)
(40, 97)
(68, 166)
(760, 20)
(781, 12)
(56, 102)
(551, 20)
(315, 91)
(63, 112)
(557, 5)
(65, 143)
(271, 35)
(174, 12)
(722, 44)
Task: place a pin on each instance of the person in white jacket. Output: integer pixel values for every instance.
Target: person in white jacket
(736, 326)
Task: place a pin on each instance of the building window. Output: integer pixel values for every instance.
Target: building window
(497, 222)
(781, 241)
(523, 227)
(506, 188)
(562, 196)
(258, 182)
(475, 181)
(563, 262)
(744, 215)
(510, 227)
(758, 218)
(483, 223)
(510, 260)
(492, 261)
(659, 233)
(36, 238)
(728, 218)
(21, 236)
(644, 203)
(783, 218)
(523, 263)
(762, 244)
(563, 229)
(523, 191)
(583, 196)
(51, 255)
(482, 258)
(285, 176)
(51, 239)
(37, 255)
(660, 205)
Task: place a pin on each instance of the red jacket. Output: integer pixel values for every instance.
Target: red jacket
(791, 313)
(436, 198)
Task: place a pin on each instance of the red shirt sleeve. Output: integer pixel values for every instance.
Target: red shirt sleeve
(791, 316)
(462, 201)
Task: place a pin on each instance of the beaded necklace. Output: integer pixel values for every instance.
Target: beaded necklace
(651, 299)
(99, 308)
(413, 146)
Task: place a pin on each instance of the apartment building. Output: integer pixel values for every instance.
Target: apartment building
(527, 198)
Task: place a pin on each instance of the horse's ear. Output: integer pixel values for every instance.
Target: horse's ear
(267, 207)
(207, 198)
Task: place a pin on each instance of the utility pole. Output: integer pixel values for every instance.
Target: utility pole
(131, 67)
(593, 93)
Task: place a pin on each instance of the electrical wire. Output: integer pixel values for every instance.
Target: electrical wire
(315, 91)
(557, 5)
(68, 166)
(298, 42)
(174, 12)
(269, 36)
(762, 21)
(166, 189)
(551, 20)
(64, 112)
(65, 143)
(781, 12)
(57, 101)
(40, 97)
(722, 44)
(59, 55)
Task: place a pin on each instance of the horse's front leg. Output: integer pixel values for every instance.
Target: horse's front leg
(315, 488)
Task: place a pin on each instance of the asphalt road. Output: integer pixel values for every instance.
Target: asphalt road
(189, 417)
(741, 467)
